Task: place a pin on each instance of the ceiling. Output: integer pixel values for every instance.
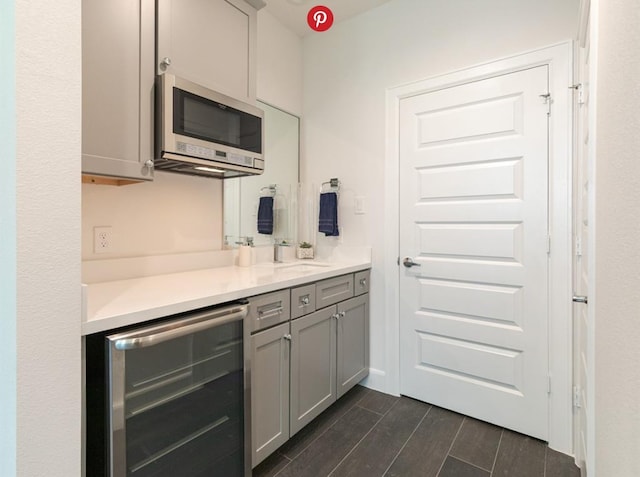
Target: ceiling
(293, 13)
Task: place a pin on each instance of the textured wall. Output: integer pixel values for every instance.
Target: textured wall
(617, 266)
(48, 92)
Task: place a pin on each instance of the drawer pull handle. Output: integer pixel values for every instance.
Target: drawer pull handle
(363, 282)
(304, 300)
(264, 314)
(287, 337)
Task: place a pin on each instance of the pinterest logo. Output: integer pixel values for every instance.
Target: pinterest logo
(320, 18)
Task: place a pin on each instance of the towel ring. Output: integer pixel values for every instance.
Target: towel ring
(269, 190)
(334, 185)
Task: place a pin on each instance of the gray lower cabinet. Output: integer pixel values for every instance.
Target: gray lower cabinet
(270, 391)
(313, 366)
(353, 342)
(301, 367)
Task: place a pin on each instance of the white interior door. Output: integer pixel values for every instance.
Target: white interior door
(582, 326)
(474, 219)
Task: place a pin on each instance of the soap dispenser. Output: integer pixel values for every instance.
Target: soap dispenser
(245, 253)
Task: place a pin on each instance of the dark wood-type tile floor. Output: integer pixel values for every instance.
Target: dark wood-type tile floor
(367, 433)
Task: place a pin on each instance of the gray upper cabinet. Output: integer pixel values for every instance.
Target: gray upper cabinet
(117, 88)
(209, 42)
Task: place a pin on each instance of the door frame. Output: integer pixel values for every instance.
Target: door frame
(559, 58)
(587, 31)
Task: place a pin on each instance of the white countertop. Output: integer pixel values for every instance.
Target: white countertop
(117, 303)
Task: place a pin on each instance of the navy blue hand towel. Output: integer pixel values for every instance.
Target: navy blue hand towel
(265, 215)
(328, 220)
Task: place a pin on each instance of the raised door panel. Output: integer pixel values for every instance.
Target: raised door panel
(270, 391)
(313, 366)
(211, 43)
(117, 87)
(353, 342)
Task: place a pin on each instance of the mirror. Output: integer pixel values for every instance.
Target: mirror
(242, 195)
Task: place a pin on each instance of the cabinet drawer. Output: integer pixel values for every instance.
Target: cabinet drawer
(333, 290)
(269, 309)
(361, 282)
(303, 301)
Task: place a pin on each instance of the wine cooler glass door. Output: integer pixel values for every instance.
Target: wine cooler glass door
(178, 397)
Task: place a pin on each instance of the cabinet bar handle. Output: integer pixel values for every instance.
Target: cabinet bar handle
(159, 334)
(263, 314)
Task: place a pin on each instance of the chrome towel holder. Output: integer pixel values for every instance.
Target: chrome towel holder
(269, 190)
(333, 183)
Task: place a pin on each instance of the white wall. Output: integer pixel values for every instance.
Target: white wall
(47, 159)
(7, 240)
(617, 264)
(347, 69)
(174, 213)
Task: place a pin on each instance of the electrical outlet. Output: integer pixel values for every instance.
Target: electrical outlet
(102, 239)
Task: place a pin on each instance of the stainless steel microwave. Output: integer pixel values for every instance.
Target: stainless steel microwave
(206, 133)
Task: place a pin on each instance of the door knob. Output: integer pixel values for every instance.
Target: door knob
(580, 299)
(408, 262)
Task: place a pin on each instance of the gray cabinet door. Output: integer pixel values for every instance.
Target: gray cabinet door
(270, 391)
(211, 43)
(353, 342)
(117, 88)
(313, 365)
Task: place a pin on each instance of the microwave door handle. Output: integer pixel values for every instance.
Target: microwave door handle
(172, 331)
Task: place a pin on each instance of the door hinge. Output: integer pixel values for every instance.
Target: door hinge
(578, 247)
(580, 90)
(547, 100)
(398, 261)
(548, 244)
(576, 397)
